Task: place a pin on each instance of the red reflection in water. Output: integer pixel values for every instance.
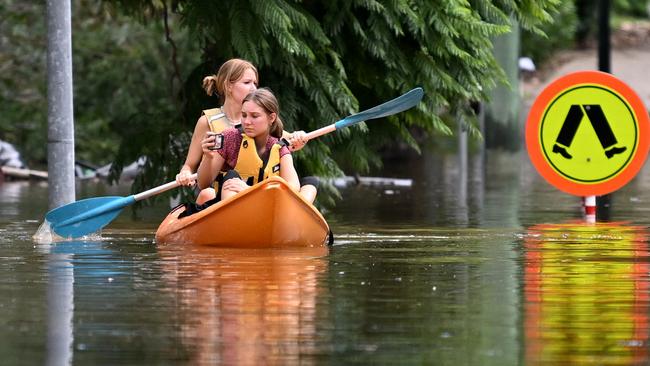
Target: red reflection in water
(586, 294)
(246, 306)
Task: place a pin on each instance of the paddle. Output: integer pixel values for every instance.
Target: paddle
(393, 106)
(86, 216)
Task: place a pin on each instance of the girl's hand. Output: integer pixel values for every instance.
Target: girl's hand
(183, 178)
(211, 143)
(235, 185)
(297, 140)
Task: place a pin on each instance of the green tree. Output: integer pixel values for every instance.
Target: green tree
(576, 24)
(121, 68)
(22, 77)
(327, 59)
(139, 82)
(560, 34)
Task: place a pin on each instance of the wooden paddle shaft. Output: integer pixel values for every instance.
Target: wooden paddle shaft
(320, 132)
(160, 189)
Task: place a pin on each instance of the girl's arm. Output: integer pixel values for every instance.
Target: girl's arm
(194, 153)
(288, 172)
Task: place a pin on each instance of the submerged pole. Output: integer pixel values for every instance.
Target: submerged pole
(60, 131)
(589, 206)
(603, 203)
(462, 170)
(462, 162)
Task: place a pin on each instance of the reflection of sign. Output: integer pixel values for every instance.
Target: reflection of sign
(587, 133)
(586, 290)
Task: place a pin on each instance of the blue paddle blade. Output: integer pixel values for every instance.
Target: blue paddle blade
(86, 216)
(394, 106)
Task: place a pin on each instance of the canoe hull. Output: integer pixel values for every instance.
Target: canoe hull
(269, 214)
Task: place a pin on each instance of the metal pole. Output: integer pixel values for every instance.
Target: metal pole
(60, 131)
(462, 162)
(462, 173)
(603, 203)
(604, 54)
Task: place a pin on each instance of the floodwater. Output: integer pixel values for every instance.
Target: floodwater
(496, 269)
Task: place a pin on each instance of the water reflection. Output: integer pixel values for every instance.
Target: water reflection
(245, 306)
(586, 294)
(60, 308)
(71, 264)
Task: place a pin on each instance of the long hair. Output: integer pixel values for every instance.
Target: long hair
(231, 71)
(264, 98)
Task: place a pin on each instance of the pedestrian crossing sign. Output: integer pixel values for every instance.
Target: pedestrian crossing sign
(587, 133)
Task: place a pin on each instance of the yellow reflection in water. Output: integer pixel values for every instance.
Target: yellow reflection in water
(245, 306)
(586, 294)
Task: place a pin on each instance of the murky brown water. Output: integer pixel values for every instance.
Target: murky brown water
(498, 271)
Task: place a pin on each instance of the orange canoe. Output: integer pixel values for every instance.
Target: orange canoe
(269, 214)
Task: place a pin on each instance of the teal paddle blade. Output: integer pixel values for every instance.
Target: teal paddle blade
(403, 102)
(86, 216)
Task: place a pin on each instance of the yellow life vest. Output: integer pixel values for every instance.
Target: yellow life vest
(251, 167)
(217, 120)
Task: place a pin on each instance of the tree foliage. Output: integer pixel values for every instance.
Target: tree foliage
(575, 23)
(22, 80)
(324, 59)
(328, 59)
(121, 68)
(560, 34)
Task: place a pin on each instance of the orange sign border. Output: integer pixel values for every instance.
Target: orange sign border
(535, 119)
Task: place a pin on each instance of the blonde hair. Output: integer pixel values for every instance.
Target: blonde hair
(264, 98)
(231, 71)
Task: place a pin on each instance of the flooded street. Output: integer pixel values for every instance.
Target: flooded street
(498, 270)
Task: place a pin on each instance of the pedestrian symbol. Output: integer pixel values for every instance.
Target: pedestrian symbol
(598, 122)
(587, 133)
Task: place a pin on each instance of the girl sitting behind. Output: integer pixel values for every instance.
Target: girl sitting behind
(250, 152)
